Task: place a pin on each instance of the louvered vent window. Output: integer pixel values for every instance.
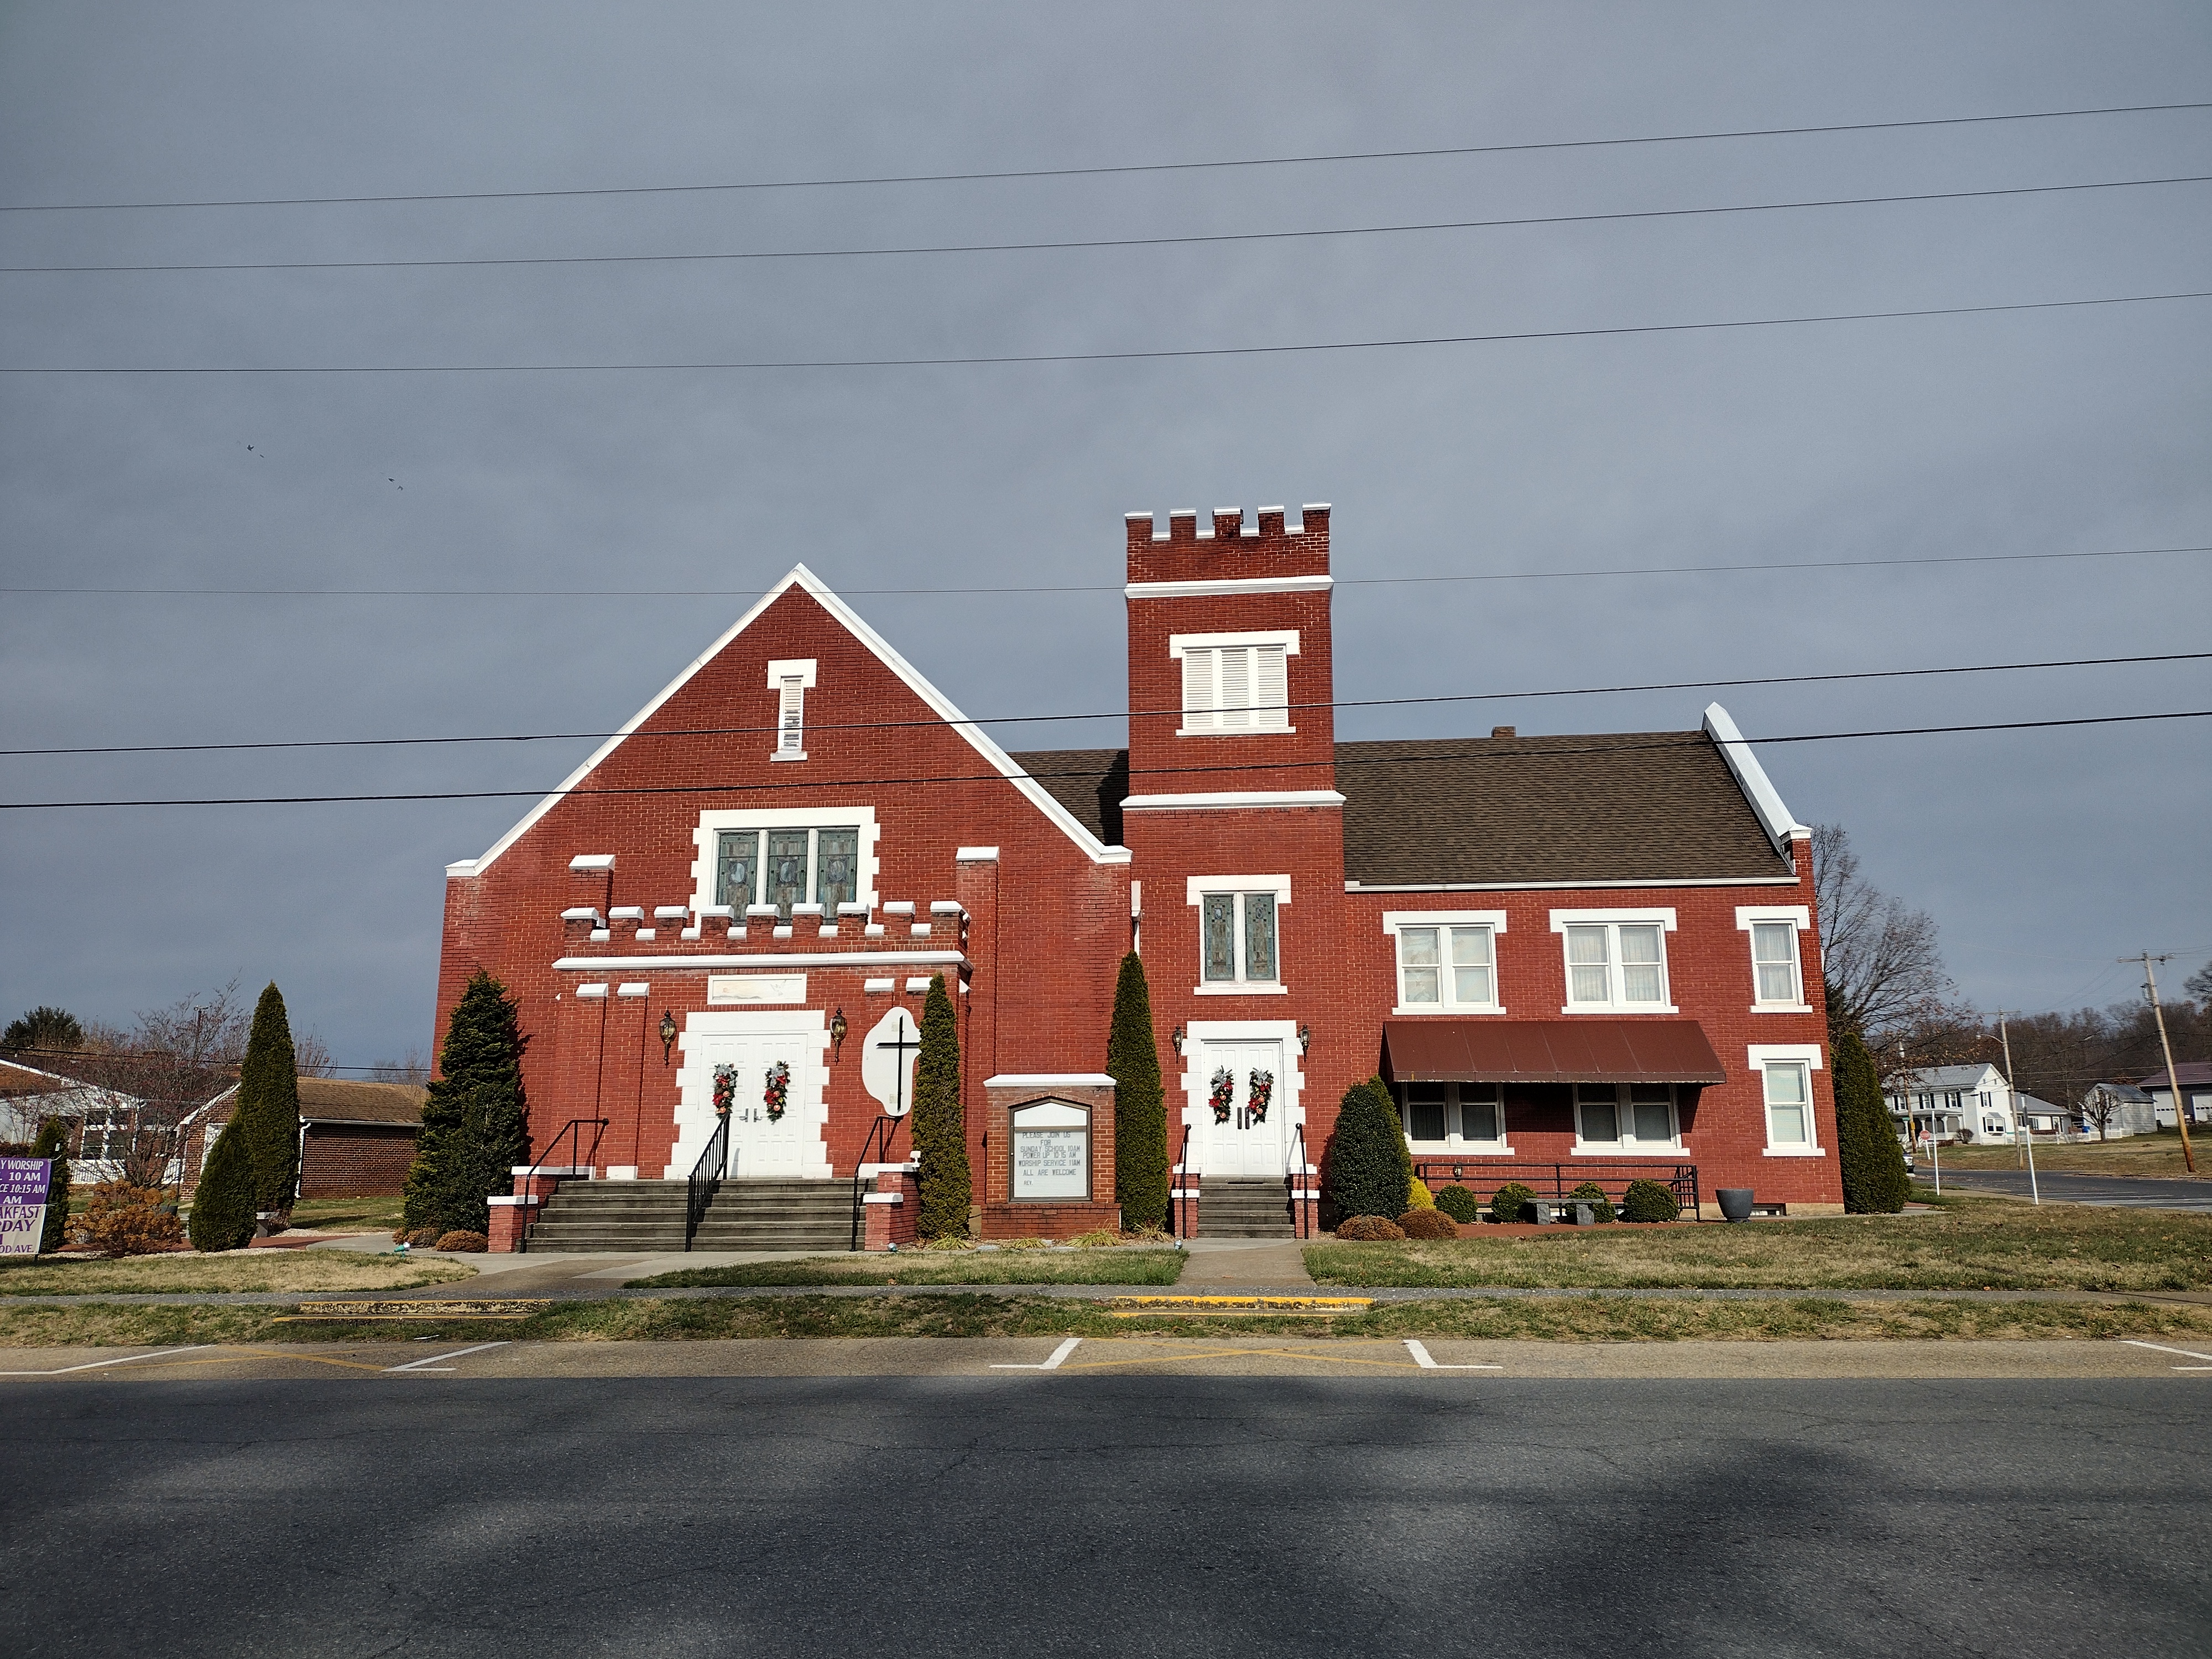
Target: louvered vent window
(791, 729)
(1235, 688)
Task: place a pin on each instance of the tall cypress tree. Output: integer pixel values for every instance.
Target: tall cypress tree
(223, 1202)
(1141, 1122)
(1370, 1172)
(475, 1120)
(1875, 1182)
(53, 1142)
(267, 1112)
(941, 1128)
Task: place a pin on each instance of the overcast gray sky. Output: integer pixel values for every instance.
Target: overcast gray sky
(2043, 855)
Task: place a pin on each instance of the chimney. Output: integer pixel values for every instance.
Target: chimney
(1502, 731)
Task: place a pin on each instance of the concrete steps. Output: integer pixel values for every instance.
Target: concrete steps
(1244, 1208)
(648, 1216)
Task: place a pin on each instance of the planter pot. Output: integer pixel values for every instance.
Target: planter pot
(1735, 1202)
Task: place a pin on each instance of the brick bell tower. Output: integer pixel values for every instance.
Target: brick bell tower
(1237, 828)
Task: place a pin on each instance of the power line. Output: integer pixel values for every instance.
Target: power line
(1098, 587)
(1106, 171)
(1118, 713)
(1156, 355)
(1528, 749)
(1097, 242)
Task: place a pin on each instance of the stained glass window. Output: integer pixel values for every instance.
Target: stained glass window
(836, 869)
(737, 868)
(787, 870)
(1260, 937)
(1218, 920)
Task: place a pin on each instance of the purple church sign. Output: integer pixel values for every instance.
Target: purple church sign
(22, 1203)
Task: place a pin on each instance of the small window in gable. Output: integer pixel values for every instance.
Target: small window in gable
(790, 682)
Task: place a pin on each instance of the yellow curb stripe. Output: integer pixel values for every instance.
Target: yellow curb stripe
(1234, 1353)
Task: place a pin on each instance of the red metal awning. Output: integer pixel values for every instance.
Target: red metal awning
(1550, 1051)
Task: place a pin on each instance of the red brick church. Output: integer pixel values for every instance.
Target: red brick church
(1572, 957)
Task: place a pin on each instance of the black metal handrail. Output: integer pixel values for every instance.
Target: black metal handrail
(706, 1177)
(1294, 1178)
(1612, 1176)
(1179, 1177)
(577, 1157)
(879, 1141)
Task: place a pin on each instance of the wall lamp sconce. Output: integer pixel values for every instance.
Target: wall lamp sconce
(837, 1030)
(1305, 1038)
(667, 1033)
(1175, 1037)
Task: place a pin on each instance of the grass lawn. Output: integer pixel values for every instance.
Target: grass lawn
(2138, 1155)
(1567, 1319)
(241, 1270)
(1969, 1243)
(950, 1267)
(346, 1215)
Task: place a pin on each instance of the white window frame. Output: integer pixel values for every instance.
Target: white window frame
(1455, 1143)
(1269, 719)
(1447, 986)
(1798, 918)
(707, 839)
(1625, 1121)
(1758, 1056)
(1614, 920)
(791, 679)
(1196, 889)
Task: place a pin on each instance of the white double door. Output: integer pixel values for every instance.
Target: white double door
(1243, 1144)
(755, 1044)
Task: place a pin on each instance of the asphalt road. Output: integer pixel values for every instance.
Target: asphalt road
(2124, 1191)
(1117, 1514)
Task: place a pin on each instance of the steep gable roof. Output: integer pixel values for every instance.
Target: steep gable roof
(800, 577)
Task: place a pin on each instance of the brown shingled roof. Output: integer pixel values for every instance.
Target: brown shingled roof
(1616, 806)
(336, 1100)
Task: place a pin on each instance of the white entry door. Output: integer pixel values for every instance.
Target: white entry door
(757, 1046)
(1250, 1140)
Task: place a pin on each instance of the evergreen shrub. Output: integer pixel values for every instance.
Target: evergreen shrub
(1649, 1200)
(1369, 1170)
(464, 1241)
(1141, 1118)
(123, 1220)
(1370, 1229)
(53, 1142)
(1418, 1196)
(1510, 1202)
(1461, 1205)
(476, 1119)
(223, 1202)
(940, 1126)
(1431, 1223)
(1591, 1194)
(1875, 1182)
(267, 1112)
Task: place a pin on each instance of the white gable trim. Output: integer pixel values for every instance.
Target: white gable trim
(801, 577)
(1750, 777)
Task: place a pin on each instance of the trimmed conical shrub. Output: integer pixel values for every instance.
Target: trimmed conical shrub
(476, 1119)
(1875, 1182)
(223, 1203)
(1369, 1169)
(941, 1128)
(268, 1111)
(52, 1142)
(1141, 1122)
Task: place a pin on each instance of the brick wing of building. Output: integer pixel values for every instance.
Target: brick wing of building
(1592, 952)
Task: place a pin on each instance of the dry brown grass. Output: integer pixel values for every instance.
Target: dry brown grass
(231, 1271)
(2138, 1155)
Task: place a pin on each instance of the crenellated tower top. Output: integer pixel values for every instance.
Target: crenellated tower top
(1230, 549)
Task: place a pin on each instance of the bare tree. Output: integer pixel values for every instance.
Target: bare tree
(311, 1056)
(1884, 968)
(413, 1069)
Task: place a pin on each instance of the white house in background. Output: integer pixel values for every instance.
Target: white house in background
(2127, 1111)
(2196, 1077)
(1954, 1103)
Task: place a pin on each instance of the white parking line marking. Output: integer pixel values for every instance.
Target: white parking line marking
(1421, 1358)
(1058, 1355)
(2186, 1353)
(429, 1362)
(93, 1365)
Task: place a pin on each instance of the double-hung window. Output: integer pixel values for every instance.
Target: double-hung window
(1622, 1116)
(1238, 946)
(1785, 1076)
(1447, 961)
(1234, 683)
(1453, 1116)
(1615, 964)
(1778, 983)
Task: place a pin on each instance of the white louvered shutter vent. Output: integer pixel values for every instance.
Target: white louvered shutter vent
(1272, 712)
(1235, 688)
(791, 728)
(1197, 696)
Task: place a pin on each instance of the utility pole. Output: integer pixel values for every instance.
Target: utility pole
(2019, 1118)
(2172, 1076)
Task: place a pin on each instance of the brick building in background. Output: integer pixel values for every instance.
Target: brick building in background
(1597, 951)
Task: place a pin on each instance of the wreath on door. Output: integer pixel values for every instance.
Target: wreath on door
(777, 1094)
(1263, 1090)
(1224, 1093)
(726, 1089)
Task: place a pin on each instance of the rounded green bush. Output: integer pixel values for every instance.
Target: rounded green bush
(1649, 1200)
(1460, 1204)
(1510, 1202)
(1591, 1194)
